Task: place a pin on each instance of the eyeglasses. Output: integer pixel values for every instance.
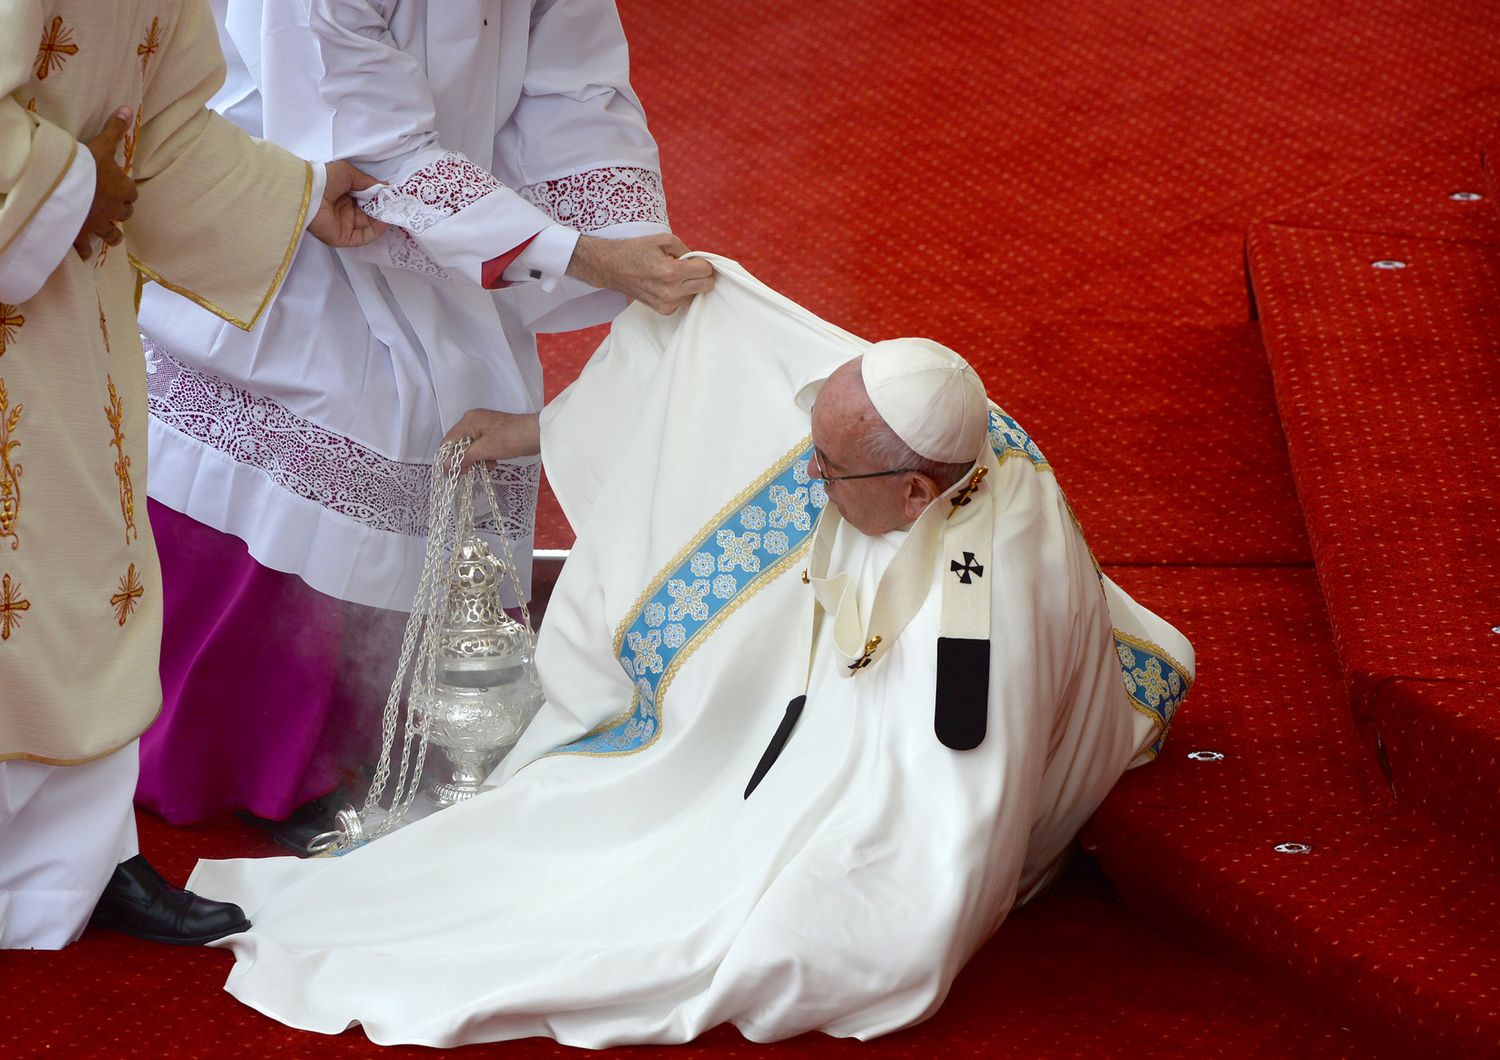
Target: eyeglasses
(826, 477)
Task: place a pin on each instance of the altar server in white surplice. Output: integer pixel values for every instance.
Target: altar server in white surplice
(290, 464)
(827, 696)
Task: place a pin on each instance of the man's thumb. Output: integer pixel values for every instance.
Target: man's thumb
(119, 121)
(359, 180)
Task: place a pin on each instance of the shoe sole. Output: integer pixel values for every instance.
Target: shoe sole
(171, 940)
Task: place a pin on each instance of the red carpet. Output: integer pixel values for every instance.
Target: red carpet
(1063, 191)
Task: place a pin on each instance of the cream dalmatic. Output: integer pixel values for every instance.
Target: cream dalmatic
(218, 218)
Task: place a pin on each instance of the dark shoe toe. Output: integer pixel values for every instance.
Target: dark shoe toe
(139, 902)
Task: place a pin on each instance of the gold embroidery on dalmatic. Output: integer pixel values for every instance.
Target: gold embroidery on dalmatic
(115, 413)
(31, 104)
(57, 44)
(104, 331)
(10, 323)
(10, 473)
(151, 45)
(130, 592)
(12, 603)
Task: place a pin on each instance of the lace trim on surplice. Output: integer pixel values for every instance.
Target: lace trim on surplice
(315, 463)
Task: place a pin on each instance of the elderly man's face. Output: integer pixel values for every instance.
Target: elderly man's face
(841, 420)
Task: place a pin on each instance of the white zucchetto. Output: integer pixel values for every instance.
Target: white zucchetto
(927, 394)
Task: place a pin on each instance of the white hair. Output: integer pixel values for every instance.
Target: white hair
(884, 448)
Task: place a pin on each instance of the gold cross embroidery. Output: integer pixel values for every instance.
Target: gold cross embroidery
(963, 496)
(10, 323)
(131, 590)
(57, 44)
(864, 660)
(151, 45)
(12, 603)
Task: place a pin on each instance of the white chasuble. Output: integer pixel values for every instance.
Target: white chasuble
(80, 589)
(618, 886)
(494, 125)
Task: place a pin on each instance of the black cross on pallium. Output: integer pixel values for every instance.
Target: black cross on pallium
(963, 496)
(968, 570)
(864, 660)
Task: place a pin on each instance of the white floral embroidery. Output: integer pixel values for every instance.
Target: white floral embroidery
(739, 550)
(674, 636)
(753, 517)
(776, 542)
(1150, 681)
(1127, 657)
(600, 198)
(819, 495)
(433, 193)
(647, 659)
(799, 473)
(791, 507)
(405, 252)
(654, 613)
(724, 586)
(687, 599)
(702, 564)
(316, 464)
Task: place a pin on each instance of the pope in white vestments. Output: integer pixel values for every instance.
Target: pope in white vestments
(804, 746)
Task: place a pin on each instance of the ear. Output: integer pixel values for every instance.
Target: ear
(921, 491)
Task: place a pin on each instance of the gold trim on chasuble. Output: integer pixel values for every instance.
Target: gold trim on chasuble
(699, 588)
(223, 314)
(10, 473)
(115, 413)
(56, 47)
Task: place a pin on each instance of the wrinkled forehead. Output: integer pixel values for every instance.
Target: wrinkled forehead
(841, 411)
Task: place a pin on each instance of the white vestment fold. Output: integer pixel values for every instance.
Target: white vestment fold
(618, 886)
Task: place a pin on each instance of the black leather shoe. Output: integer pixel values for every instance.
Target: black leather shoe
(306, 823)
(139, 902)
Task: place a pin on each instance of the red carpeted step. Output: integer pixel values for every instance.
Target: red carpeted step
(1438, 743)
(1073, 974)
(1434, 190)
(1373, 913)
(1385, 351)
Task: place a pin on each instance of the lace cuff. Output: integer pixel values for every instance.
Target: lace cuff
(601, 198)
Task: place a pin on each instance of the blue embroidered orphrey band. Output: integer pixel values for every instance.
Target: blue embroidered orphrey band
(752, 543)
(1154, 682)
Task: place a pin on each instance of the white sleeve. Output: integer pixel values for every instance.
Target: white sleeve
(41, 246)
(376, 106)
(315, 193)
(545, 259)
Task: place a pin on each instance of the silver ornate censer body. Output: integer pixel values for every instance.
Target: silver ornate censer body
(484, 693)
(472, 670)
